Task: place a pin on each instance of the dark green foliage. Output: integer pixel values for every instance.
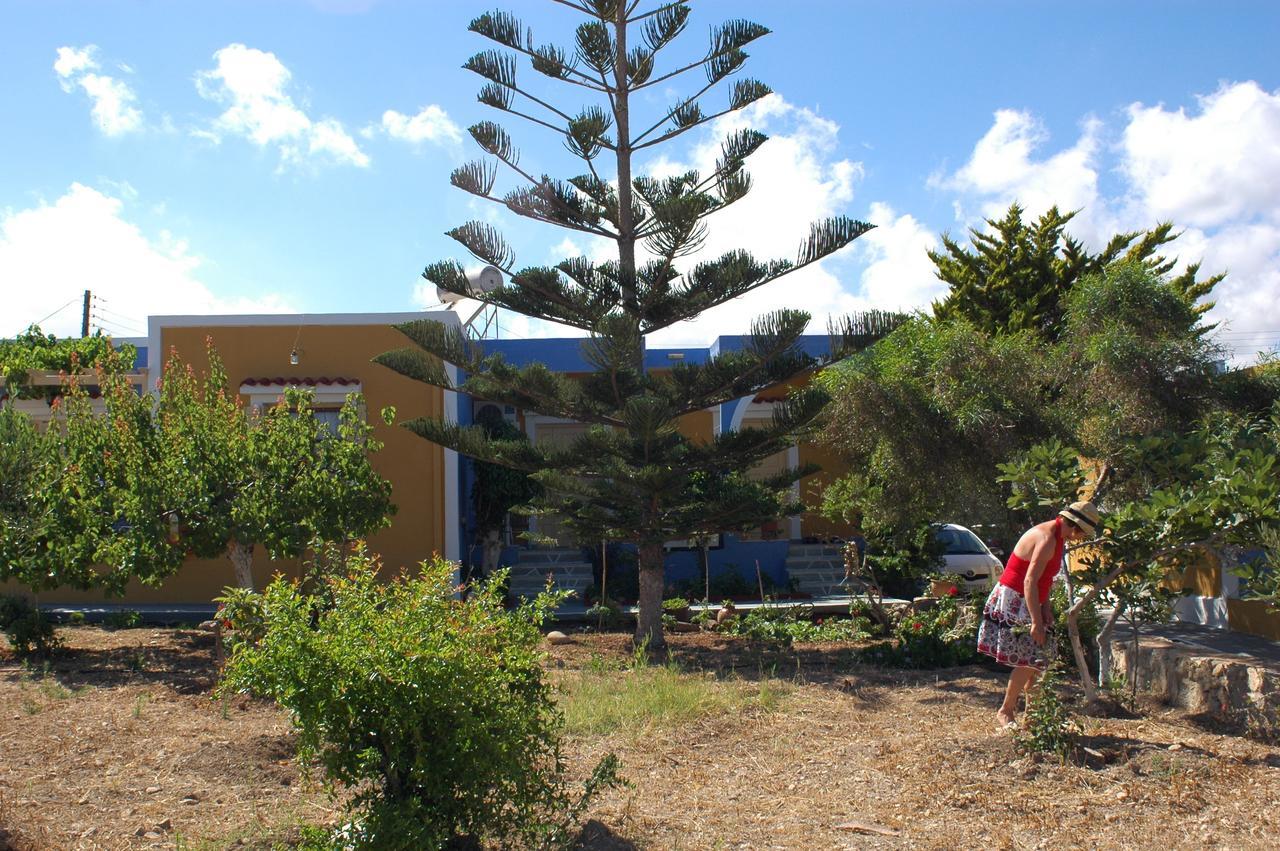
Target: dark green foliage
(1135, 361)
(633, 477)
(434, 711)
(924, 417)
(499, 489)
(29, 630)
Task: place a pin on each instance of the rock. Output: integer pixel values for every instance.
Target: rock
(558, 637)
(1175, 747)
(151, 790)
(209, 625)
(167, 824)
(151, 834)
(190, 799)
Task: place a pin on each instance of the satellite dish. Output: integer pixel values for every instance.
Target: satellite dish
(486, 280)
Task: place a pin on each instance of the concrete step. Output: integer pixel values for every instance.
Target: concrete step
(800, 562)
(813, 550)
(551, 556)
(563, 566)
(524, 568)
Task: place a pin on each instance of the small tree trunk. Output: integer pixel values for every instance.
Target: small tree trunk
(1082, 664)
(241, 556)
(649, 618)
(1104, 643)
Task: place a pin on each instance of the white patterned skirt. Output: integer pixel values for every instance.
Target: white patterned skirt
(1005, 633)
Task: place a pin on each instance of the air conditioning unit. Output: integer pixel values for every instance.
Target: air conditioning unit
(507, 412)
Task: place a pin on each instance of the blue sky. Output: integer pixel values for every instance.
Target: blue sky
(268, 156)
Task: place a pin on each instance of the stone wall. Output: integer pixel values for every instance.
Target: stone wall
(1239, 689)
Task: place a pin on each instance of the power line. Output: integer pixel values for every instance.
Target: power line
(55, 313)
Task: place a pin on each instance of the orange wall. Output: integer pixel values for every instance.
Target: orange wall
(414, 466)
(833, 467)
(1253, 616)
(697, 426)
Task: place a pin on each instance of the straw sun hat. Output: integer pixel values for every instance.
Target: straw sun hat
(1083, 514)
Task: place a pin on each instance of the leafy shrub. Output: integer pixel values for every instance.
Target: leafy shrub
(242, 612)
(786, 624)
(29, 630)
(939, 637)
(1048, 726)
(76, 618)
(122, 619)
(606, 614)
(434, 710)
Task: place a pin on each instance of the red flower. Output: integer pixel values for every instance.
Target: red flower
(954, 592)
(917, 626)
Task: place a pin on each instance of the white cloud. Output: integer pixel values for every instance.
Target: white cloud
(899, 274)
(1003, 169)
(114, 109)
(1213, 170)
(53, 252)
(253, 84)
(564, 249)
(72, 61)
(431, 124)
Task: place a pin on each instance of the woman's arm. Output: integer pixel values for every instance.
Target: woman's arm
(1031, 586)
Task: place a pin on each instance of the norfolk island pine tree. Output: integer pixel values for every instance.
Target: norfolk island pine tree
(631, 476)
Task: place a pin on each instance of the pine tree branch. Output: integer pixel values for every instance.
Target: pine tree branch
(658, 10)
(635, 143)
(679, 131)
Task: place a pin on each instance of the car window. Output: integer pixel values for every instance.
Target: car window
(960, 542)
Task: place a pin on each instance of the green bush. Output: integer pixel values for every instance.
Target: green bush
(939, 637)
(241, 611)
(122, 619)
(433, 710)
(786, 624)
(29, 630)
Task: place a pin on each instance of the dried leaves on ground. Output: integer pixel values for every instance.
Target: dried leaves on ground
(118, 745)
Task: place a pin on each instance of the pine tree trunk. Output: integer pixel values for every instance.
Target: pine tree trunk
(241, 556)
(492, 551)
(622, 118)
(649, 618)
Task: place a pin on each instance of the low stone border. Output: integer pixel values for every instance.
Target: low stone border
(1235, 689)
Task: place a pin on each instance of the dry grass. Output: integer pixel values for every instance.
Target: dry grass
(765, 749)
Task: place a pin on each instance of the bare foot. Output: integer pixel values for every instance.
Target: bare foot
(1005, 720)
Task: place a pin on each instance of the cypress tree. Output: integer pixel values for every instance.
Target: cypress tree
(631, 476)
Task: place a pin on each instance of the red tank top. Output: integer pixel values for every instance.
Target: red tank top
(1015, 572)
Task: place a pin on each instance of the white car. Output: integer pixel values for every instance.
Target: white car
(967, 557)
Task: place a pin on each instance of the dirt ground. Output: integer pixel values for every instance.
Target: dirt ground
(119, 745)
